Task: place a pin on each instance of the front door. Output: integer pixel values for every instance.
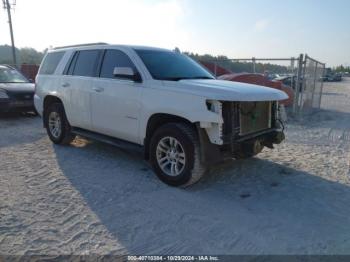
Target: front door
(116, 103)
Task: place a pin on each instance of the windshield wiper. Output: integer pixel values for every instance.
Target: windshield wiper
(201, 77)
(185, 78)
(173, 78)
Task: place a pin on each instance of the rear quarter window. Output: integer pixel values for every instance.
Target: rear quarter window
(50, 63)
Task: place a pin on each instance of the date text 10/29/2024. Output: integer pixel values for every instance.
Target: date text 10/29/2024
(173, 258)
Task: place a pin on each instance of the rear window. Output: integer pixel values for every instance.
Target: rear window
(50, 63)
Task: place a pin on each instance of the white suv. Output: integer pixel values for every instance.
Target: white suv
(156, 100)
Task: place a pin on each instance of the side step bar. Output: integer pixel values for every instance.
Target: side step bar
(108, 140)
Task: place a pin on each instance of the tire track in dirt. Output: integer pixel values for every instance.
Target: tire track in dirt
(41, 213)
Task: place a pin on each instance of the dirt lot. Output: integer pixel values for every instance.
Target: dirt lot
(91, 198)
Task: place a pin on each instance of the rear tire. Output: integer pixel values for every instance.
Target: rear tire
(57, 126)
(175, 154)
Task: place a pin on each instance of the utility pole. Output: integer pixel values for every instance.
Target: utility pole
(7, 6)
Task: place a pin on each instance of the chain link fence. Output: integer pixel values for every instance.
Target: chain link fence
(312, 84)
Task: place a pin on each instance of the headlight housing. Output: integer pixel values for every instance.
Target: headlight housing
(214, 106)
(3, 94)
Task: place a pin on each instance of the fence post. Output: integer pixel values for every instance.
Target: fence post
(314, 88)
(292, 66)
(297, 84)
(254, 70)
(324, 68)
(216, 68)
(303, 87)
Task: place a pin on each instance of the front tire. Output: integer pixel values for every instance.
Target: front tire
(57, 126)
(174, 155)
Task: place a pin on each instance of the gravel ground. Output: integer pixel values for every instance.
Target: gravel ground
(91, 198)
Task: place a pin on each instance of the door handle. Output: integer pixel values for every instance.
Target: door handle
(66, 85)
(98, 89)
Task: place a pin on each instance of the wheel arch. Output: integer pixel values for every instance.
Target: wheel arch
(49, 100)
(160, 119)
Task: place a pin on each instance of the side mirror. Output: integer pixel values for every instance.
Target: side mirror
(126, 73)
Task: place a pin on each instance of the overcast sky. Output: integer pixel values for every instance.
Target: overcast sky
(236, 28)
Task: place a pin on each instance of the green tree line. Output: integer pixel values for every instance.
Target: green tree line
(342, 69)
(239, 67)
(25, 55)
(29, 55)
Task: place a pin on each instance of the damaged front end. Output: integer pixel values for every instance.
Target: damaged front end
(247, 128)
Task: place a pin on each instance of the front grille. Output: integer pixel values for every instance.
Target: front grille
(246, 118)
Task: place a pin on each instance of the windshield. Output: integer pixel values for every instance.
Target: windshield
(9, 75)
(167, 65)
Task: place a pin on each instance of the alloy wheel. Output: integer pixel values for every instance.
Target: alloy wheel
(171, 156)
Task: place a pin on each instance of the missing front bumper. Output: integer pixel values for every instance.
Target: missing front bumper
(251, 145)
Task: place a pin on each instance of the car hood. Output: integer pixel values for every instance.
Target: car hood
(229, 90)
(18, 87)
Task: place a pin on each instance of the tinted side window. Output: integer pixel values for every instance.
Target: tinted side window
(112, 59)
(86, 63)
(70, 65)
(50, 63)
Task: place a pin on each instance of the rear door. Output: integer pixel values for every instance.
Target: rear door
(78, 83)
(115, 102)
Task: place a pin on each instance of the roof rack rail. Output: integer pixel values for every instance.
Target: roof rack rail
(88, 44)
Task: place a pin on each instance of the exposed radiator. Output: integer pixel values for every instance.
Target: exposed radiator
(254, 117)
(244, 118)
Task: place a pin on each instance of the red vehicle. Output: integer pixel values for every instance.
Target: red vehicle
(215, 69)
(259, 79)
(30, 71)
